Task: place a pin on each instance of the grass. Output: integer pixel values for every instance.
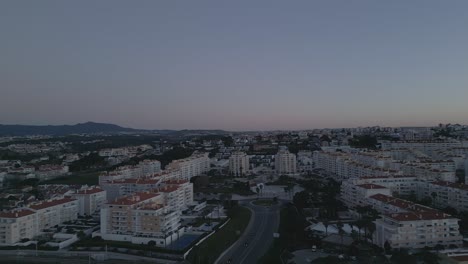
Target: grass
(264, 202)
(210, 249)
(90, 178)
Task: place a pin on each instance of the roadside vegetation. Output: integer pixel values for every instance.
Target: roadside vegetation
(210, 249)
(291, 234)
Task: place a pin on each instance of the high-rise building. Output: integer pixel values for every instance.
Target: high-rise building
(238, 164)
(192, 166)
(285, 162)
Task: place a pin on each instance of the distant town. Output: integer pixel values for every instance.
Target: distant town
(347, 195)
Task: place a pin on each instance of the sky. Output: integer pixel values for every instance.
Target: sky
(234, 65)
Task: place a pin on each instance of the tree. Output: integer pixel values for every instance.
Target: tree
(325, 223)
(341, 232)
(434, 196)
(152, 243)
(81, 234)
(387, 247)
(301, 199)
(359, 225)
(427, 257)
(371, 229)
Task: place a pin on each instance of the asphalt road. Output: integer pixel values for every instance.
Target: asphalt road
(257, 237)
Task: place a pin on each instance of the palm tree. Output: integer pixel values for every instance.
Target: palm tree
(434, 195)
(340, 231)
(359, 226)
(371, 228)
(325, 223)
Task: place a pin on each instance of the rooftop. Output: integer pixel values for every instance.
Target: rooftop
(371, 186)
(134, 198)
(460, 186)
(89, 191)
(50, 203)
(403, 204)
(16, 213)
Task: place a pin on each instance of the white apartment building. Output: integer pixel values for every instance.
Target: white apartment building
(53, 212)
(404, 224)
(372, 158)
(417, 230)
(140, 218)
(47, 172)
(90, 200)
(185, 189)
(354, 195)
(425, 146)
(145, 168)
(398, 184)
(125, 151)
(445, 194)
(239, 164)
(305, 162)
(285, 162)
(117, 188)
(149, 167)
(192, 166)
(343, 166)
(16, 225)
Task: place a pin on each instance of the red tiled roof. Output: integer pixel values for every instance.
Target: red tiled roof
(460, 186)
(46, 204)
(135, 181)
(89, 191)
(151, 207)
(371, 186)
(170, 188)
(460, 258)
(16, 213)
(387, 176)
(404, 204)
(176, 181)
(134, 198)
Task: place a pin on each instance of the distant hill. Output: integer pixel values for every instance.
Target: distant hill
(94, 128)
(82, 128)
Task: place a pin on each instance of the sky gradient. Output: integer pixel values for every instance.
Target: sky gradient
(234, 65)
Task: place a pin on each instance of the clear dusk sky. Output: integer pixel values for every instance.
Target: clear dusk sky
(234, 65)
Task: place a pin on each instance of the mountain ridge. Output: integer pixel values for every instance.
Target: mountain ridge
(88, 128)
(80, 128)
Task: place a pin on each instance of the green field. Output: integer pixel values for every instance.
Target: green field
(210, 249)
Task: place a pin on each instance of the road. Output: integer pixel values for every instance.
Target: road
(258, 235)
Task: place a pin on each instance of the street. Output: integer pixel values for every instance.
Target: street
(258, 235)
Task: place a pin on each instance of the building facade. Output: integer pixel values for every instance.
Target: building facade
(239, 164)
